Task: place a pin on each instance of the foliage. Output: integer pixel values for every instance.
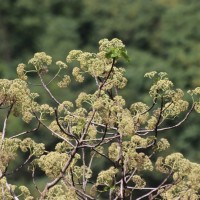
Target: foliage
(97, 126)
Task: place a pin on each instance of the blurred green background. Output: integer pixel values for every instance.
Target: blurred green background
(160, 35)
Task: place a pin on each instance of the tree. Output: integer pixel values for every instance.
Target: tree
(97, 128)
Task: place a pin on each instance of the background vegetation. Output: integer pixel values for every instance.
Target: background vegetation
(159, 35)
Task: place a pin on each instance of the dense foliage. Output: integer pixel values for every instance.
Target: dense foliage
(98, 127)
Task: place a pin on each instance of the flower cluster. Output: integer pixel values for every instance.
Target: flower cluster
(162, 144)
(97, 126)
(195, 95)
(172, 109)
(114, 151)
(197, 107)
(126, 123)
(8, 151)
(107, 177)
(65, 106)
(64, 82)
(40, 61)
(36, 149)
(110, 111)
(105, 44)
(99, 65)
(150, 74)
(16, 92)
(6, 188)
(151, 123)
(63, 147)
(185, 175)
(116, 80)
(89, 63)
(139, 141)
(139, 161)
(61, 65)
(77, 74)
(22, 72)
(139, 182)
(52, 163)
(73, 55)
(25, 193)
(79, 172)
(161, 85)
(61, 192)
(46, 109)
(196, 91)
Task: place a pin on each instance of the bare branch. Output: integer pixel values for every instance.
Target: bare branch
(157, 188)
(103, 137)
(130, 176)
(154, 103)
(170, 127)
(11, 191)
(56, 180)
(80, 192)
(113, 163)
(84, 164)
(47, 89)
(5, 124)
(54, 77)
(19, 167)
(34, 183)
(59, 136)
(61, 128)
(26, 132)
(159, 119)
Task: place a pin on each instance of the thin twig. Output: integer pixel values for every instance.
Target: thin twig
(11, 191)
(130, 177)
(18, 168)
(100, 139)
(170, 127)
(157, 188)
(47, 89)
(34, 183)
(158, 120)
(5, 124)
(26, 132)
(61, 128)
(77, 190)
(84, 164)
(89, 166)
(54, 77)
(98, 95)
(103, 137)
(59, 136)
(154, 103)
(104, 156)
(57, 179)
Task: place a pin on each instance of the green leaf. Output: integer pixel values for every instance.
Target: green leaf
(117, 53)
